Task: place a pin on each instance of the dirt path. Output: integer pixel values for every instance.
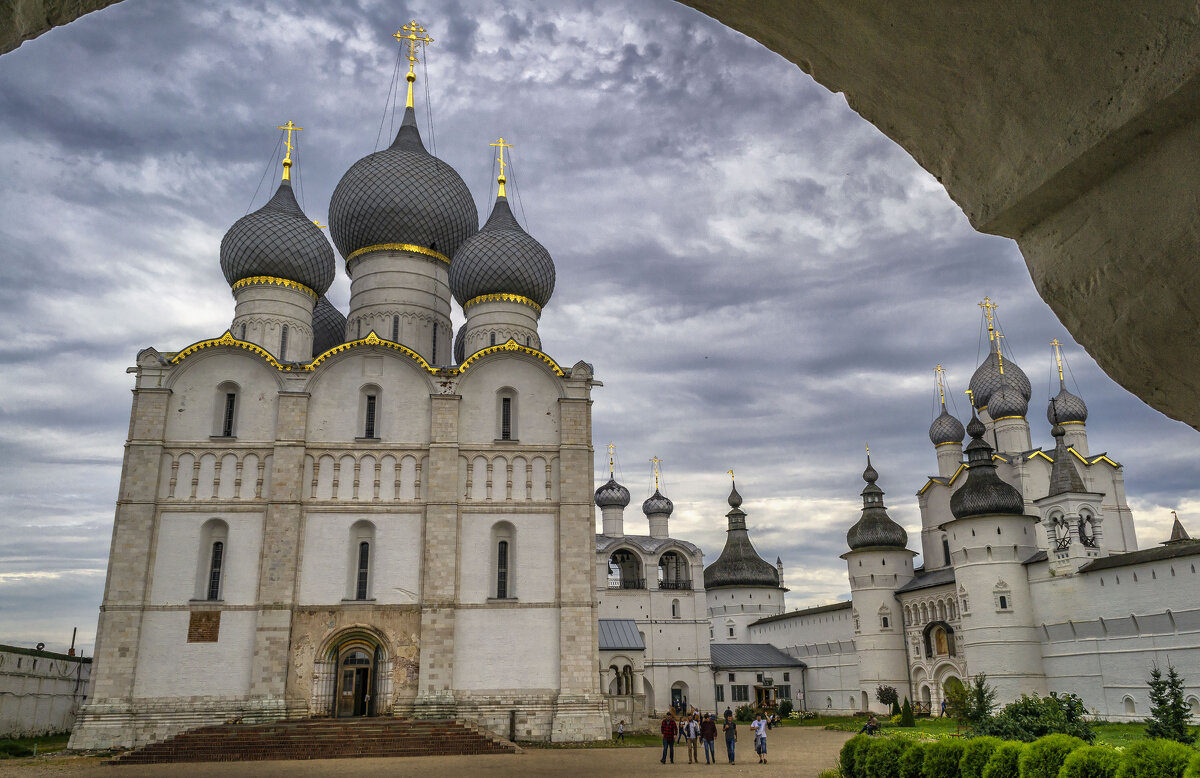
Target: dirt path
(801, 752)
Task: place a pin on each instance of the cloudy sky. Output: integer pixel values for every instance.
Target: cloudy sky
(762, 280)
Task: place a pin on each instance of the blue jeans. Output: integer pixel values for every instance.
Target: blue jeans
(729, 744)
(668, 745)
(710, 751)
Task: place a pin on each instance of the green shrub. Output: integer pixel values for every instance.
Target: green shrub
(1044, 757)
(895, 709)
(913, 760)
(906, 715)
(831, 772)
(13, 748)
(1032, 717)
(1169, 712)
(1091, 762)
(1005, 761)
(1156, 759)
(880, 758)
(744, 713)
(1193, 770)
(848, 760)
(942, 758)
(785, 709)
(976, 753)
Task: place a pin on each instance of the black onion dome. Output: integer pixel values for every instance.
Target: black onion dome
(402, 194)
(1066, 408)
(987, 380)
(1007, 401)
(612, 494)
(329, 326)
(279, 241)
(983, 493)
(735, 499)
(739, 563)
(502, 259)
(657, 503)
(460, 346)
(946, 429)
(875, 528)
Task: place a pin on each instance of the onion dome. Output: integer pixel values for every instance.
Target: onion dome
(402, 196)
(612, 494)
(329, 326)
(460, 346)
(983, 493)
(1007, 402)
(946, 429)
(1066, 408)
(502, 259)
(739, 563)
(657, 503)
(988, 379)
(874, 528)
(278, 241)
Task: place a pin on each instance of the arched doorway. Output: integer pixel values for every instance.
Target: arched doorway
(648, 688)
(356, 681)
(352, 677)
(679, 696)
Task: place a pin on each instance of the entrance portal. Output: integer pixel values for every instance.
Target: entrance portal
(355, 683)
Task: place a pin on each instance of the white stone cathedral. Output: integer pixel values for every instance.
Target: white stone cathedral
(328, 516)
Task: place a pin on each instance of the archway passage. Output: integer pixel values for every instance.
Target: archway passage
(356, 674)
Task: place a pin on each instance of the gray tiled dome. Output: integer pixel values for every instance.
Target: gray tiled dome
(502, 259)
(1067, 408)
(329, 326)
(657, 503)
(875, 528)
(739, 563)
(460, 345)
(612, 493)
(1007, 401)
(278, 240)
(402, 194)
(983, 492)
(946, 429)
(986, 380)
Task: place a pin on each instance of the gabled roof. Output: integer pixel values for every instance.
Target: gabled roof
(933, 578)
(750, 656)
(620, 635)
(837, 606)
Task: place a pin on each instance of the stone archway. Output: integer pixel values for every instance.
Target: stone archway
(1070, 128)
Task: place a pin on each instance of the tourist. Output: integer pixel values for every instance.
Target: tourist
(692, 729)
(871, 727)
(730, 729)
(708, 733)
(621, 731)
(669, 730)
(682, 723)
(759, 726)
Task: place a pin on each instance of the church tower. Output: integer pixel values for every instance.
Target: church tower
(879, 564)
(1068, 410)
(612, 499)
(1000, 391)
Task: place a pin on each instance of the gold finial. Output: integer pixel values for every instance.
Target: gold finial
(989, 309)
(287, 158)
(868, 449)
(655, 461)
(999, 352)
(319, 225)
(501, 179)
(1058, 359)
(611, 449)
(970, 396)
(731, 478)
(939, 371)
(415, 34)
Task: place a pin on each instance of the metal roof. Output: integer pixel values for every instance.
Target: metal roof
(750, 656)
(1158, 554)
(620, 635)
(932, 578)
(837, 606)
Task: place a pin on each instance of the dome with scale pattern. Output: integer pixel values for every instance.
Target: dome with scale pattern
(612, 494)
(1066, 408)
(329, 326)
(987, 379)
(946, 429)
(502, 259)
(278, 241)
(1007, 402)
(657, 503)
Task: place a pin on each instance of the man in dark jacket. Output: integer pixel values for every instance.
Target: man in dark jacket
(708, 736)
(730, 736)
(669, 731)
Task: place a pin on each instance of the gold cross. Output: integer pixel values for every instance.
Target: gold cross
(611, 449)
(1058, 359)
(970, 395)
(321, 226)
(989, 309)
(655, 460)
(999, 351)
(416, 34)
(941, 385)
(287, 158)
(501, 179)
(731, 478)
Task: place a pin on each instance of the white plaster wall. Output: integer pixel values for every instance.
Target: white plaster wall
(169, 666)
(395, 577)
(739, 607)
(537, 421)
(830, 626)
(532, 563)
(178, 558)
(40, 694)
(506, 650)
(403, 404)
(192, 411)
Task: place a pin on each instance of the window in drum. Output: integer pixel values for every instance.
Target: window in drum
(396, 329)
(364, 562)
(369, 427)
(506, 418)
(227, 419)
(492, 339)
(502, 570)
(214, 571)
(433, 355)
(283, 341)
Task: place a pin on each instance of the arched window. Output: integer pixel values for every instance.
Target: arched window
(283, 339)
(433, 356)
(225, 410)
(625, 570)
(396, 328)
(675, 609)
(946, 550)
(492, 339)
(214, 560)
(242, 335)
(1130, 707)
(506, 414)
(1194, 706)
(361, 559)
(1003, 595)
(368, 414)
(358, 330)
(673, 572)
(502, 569)
(503, 561)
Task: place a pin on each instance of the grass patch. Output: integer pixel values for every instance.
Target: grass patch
(1118, 735)
(24, 746)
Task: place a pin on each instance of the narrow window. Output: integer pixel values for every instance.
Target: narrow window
(434, 354)
(492, 339)
(227, 419)
(502, 570)
(528, 340)
(732, 677)
(946, 550)
(369, 430)
(364, 559)
(506, 418)
(1003, 602)
(885, 622)
(283, 343)
(242, 336)
(720, 693)
(358, 334)
(214, 571)
(396, 329)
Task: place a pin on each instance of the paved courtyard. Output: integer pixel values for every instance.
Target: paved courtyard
(801, 752)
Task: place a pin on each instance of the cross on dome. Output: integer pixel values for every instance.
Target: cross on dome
(500, 144)
(413, 33)
(290, 127)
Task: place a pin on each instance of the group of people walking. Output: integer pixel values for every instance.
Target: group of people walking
(696, 728)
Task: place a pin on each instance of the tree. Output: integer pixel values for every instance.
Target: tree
(972, 704)
(887, 695)
(1169, 712)
(906, 715)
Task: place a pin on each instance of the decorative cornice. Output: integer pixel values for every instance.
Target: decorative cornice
(949, 443)
(409, 247)
(511, 345)
(228, 340)
(502, 297)
(273, 281)
(371, 340)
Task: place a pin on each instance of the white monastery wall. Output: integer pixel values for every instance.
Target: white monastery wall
(531, 544)
(493, 653)
(196, 405)
(169, 666)
(40, 691)
(181, 558)
(536, 398)
(736, 608)
(329, 558)
(336, 408)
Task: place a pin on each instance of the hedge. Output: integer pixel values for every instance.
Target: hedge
(1193, 770)
(913, 760)
(976, 753)
(942, 758)
(880, 757)
(1156, 759)
(1005, 761)
(1091, 762)
(849, 757)
(1044, 757)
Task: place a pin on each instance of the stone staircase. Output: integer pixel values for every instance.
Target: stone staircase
(320, 739)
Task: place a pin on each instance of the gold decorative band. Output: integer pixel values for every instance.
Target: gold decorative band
(502, 298)
(273, 281)
(399, 247)
(949, 443)
(1070, 422)
(1014, 416)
